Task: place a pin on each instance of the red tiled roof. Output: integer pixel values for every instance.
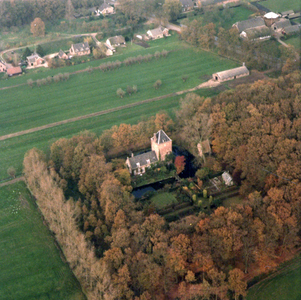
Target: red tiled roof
(14, 71)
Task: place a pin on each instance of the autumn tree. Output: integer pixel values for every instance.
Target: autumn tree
(180, 164)
(37, 27)
(236, 283)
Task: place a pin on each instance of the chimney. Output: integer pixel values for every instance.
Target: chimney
(243, 64)
(132, 154)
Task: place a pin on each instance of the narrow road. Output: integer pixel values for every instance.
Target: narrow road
(104, 112)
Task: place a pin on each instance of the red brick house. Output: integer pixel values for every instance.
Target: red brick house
(35, 60)
(3, 67)
(14, 71)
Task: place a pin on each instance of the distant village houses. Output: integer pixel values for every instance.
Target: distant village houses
(105, 9)
(35, 60)
(3, 67)
(116, 41)
(80, 49)
(62, 55)
(158, 33)
(161, 146)
(187, 5)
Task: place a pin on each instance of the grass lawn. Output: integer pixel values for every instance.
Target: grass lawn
(12, 150)
(163, 199)
(232, 201)
(295, 41)
(280, 5)
(285, 285)
(31, 266)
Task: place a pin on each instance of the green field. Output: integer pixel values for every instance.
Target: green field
(31, 266)
(12, 150)
(286, 284)
(295, 41)
(280, 5)
(163, 199)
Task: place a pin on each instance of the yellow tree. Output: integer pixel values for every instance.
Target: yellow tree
(37, 27)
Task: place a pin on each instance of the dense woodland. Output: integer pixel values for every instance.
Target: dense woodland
(120, 251)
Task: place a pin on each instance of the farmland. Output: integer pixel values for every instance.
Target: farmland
(286, 284)
(31, 264)
(24, 107)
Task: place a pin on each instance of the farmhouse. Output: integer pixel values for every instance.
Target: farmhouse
(62, 55)
(80, 49)
(187, 5)
(157, 33)
(105, 9)
(14, 71)
(231, 74)
(115, 41)
(35, 60)
(250, 23)
(3, 66)
(161, 146)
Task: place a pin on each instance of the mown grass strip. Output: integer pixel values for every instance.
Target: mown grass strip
(31, 264)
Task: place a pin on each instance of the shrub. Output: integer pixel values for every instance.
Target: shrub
(129, 90)
(30, 82)
(157, 54)
(157, 84)
(49, 79)
(11, 171)
(135, 89)
(66, 76)
(120, 92)
(184, 78)
(39, 82)
(43, 81)
(205, 194)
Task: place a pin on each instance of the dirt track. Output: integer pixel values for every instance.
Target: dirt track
(12, 181)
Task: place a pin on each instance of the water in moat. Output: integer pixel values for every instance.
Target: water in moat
(189, 171)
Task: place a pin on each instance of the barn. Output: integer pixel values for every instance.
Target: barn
(231, 74)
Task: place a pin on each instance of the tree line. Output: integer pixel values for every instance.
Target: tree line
(119, 251)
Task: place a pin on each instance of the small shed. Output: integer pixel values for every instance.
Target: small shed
(231, 74)
(291, 29)
(227, 178)
(285, 14)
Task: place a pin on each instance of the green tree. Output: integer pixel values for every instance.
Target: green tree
(172, 9)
